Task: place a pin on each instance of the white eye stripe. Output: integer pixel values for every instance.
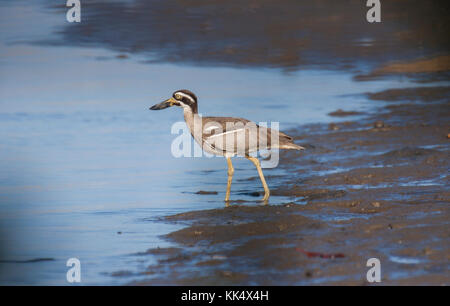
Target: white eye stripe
(184, 95)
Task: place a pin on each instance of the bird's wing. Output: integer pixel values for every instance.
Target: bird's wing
(231, 135)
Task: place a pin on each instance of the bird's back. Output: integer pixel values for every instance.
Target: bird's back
(239, 136)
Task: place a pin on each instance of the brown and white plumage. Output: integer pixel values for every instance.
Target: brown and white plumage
(228, 136)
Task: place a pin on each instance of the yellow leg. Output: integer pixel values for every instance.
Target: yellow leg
(230, 178)
(255, 161)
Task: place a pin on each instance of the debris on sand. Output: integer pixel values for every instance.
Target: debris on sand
(321, 255)
(378, 124)
(342, 113)
(206, 192)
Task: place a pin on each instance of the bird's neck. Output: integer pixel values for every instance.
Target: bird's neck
(194, 122)
(188, 114)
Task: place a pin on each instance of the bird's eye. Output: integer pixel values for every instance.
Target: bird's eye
(178, 96)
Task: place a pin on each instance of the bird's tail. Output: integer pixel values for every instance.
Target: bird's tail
(287, 142)
(291, 146)
(284, 141)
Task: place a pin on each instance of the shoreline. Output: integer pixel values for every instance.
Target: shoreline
(376, 187)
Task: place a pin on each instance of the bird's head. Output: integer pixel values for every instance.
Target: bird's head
(183, 98)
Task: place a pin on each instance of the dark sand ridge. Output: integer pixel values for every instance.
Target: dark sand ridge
(286, 34)
(422, 69)
(389, 201)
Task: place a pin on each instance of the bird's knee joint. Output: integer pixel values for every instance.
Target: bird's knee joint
(230, 172)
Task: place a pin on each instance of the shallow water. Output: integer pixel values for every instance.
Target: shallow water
(86, 168)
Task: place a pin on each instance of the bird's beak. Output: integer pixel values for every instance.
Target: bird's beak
(165, 104)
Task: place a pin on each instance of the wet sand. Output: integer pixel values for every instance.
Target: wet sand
(372, 187)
